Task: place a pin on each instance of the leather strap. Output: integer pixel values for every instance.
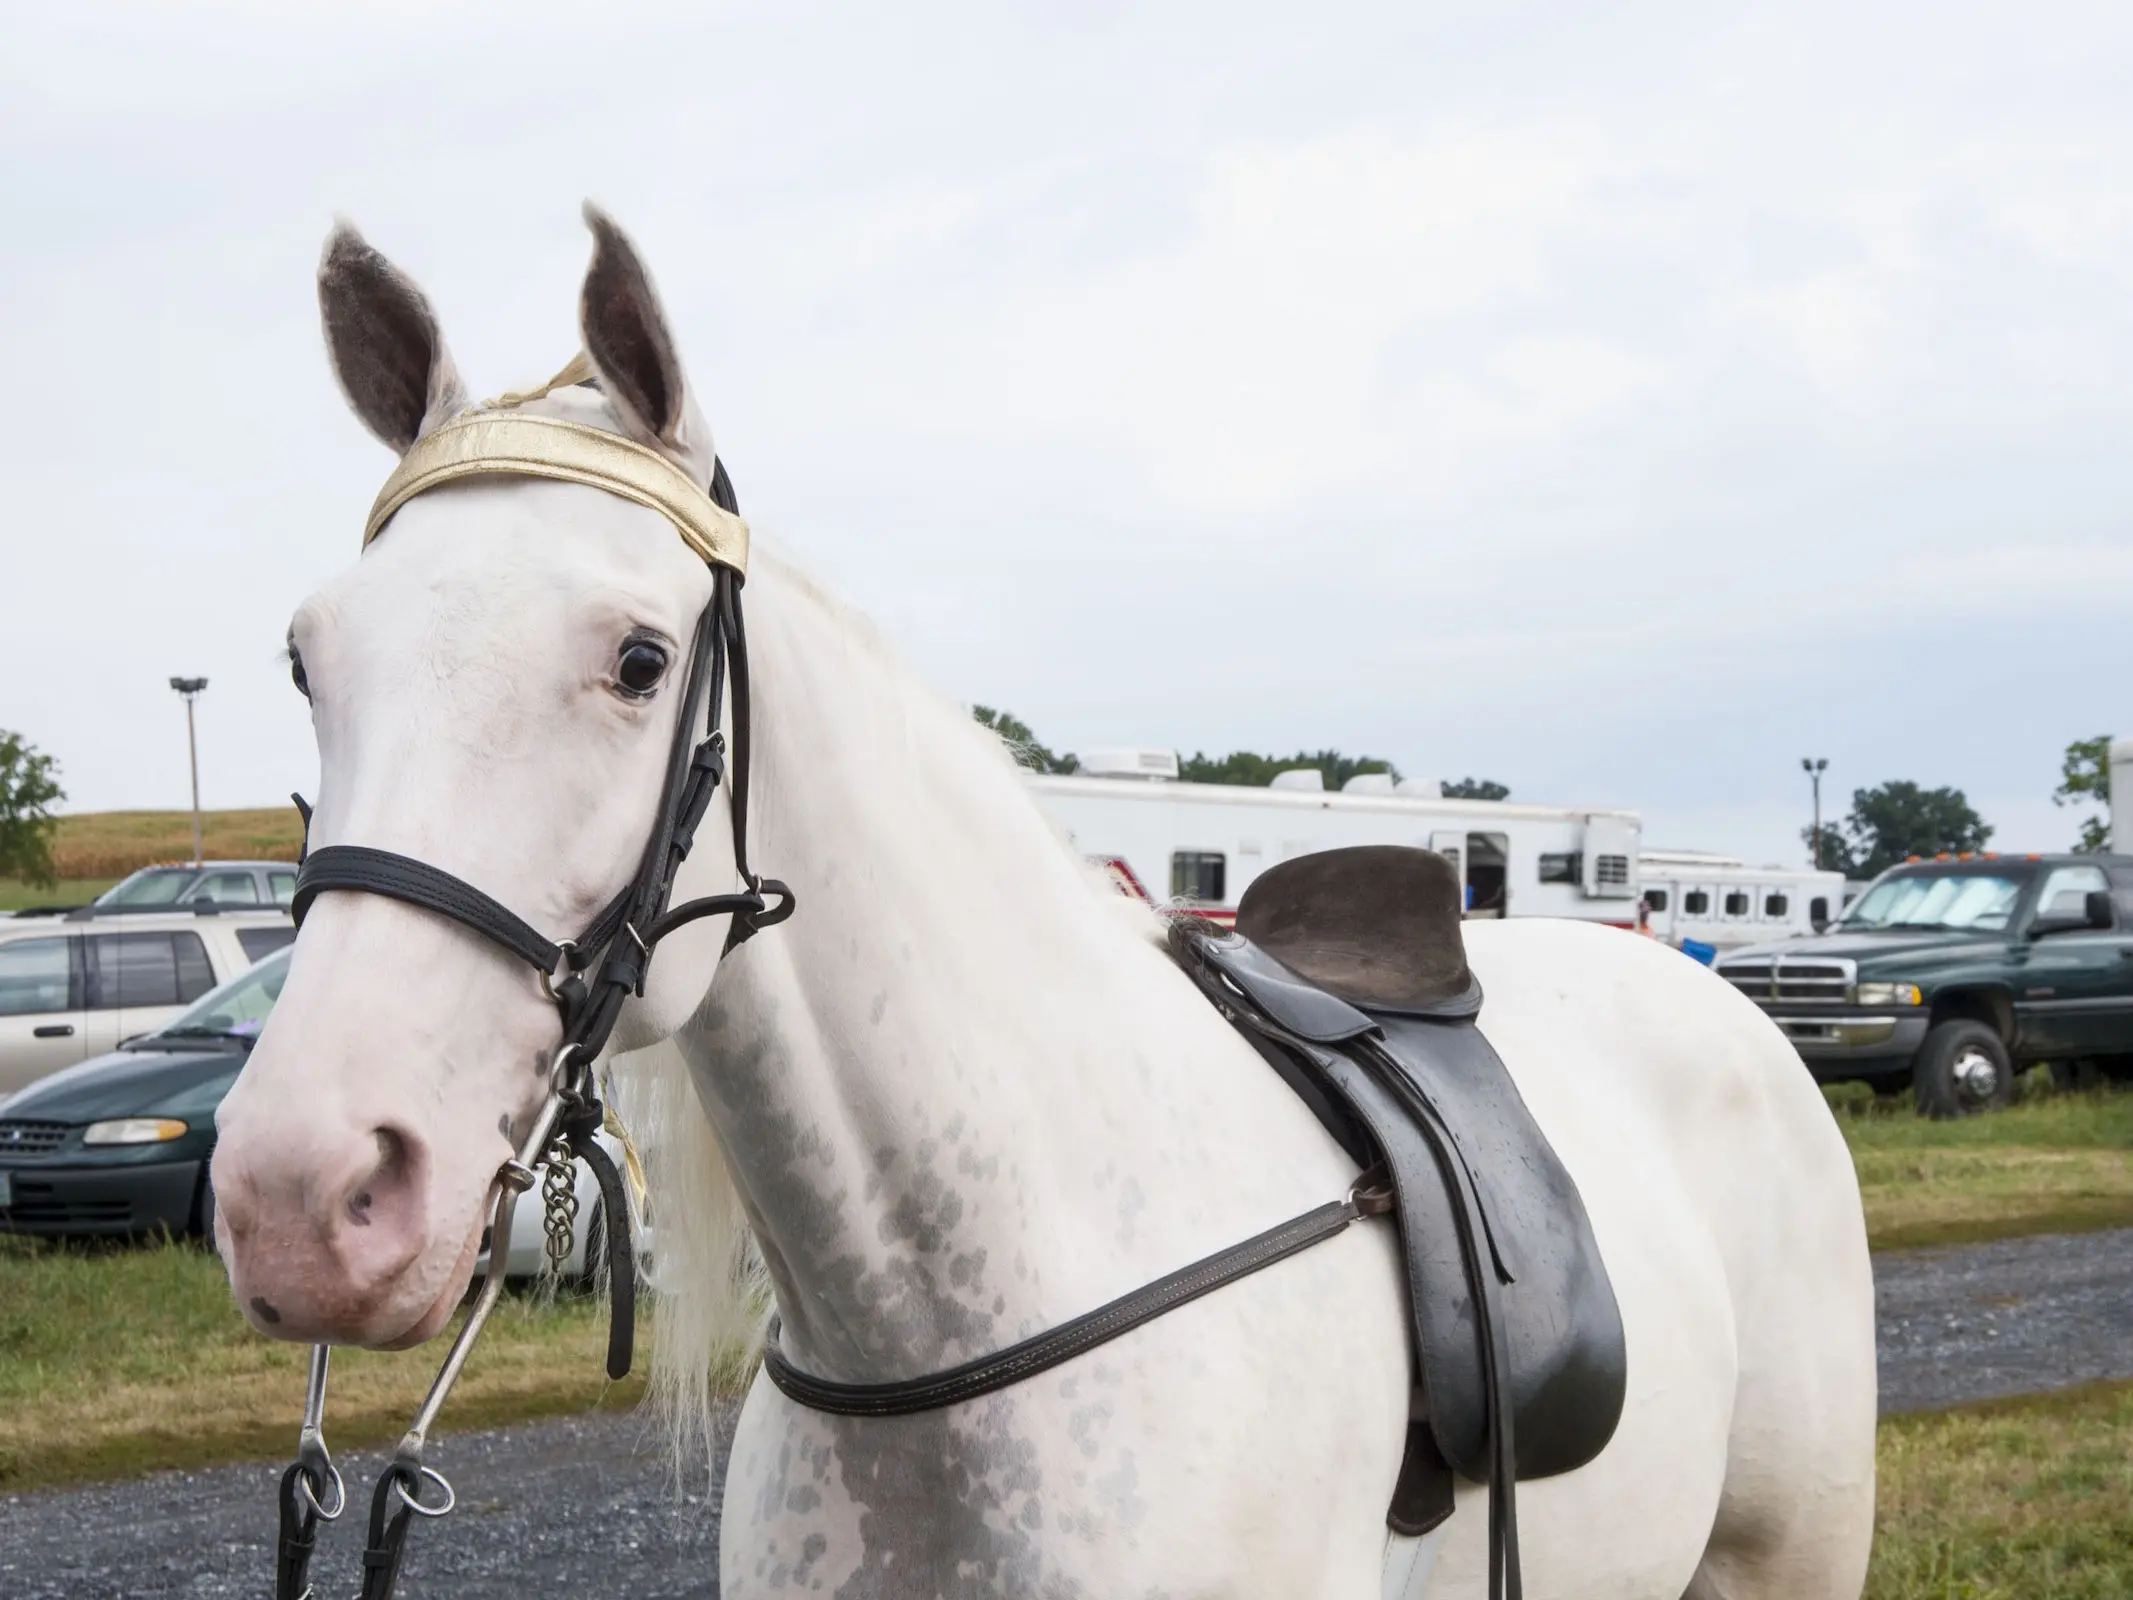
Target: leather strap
(398, 877)
(989, 1374)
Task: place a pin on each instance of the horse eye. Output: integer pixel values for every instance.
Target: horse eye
(296, 675)
(642, 665)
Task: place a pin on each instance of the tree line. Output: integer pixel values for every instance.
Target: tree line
(1247, 768)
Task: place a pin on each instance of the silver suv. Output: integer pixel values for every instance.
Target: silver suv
(75, 983)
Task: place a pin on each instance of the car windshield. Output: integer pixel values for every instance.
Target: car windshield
(1962, 901)
(151, 886)
(238, 1008)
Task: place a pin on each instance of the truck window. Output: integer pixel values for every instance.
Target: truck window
(1198, 875)
(1956, 900)
(2067, 889)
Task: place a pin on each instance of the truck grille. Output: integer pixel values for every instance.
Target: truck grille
(1794, 980)
(31, 1138)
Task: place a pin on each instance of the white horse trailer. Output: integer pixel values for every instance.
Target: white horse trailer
(1199, 845)
(1721, 901)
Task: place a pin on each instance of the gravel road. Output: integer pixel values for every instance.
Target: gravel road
(581, 1507)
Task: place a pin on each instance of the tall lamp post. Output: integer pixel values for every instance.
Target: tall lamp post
(189, 691)
(1814, 770)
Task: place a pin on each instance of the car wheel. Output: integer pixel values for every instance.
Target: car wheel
(1961, 1069)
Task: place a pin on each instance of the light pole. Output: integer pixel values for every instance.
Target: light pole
(189, 691)
(1814, 770)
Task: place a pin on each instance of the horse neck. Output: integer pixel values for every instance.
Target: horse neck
(957, 1090)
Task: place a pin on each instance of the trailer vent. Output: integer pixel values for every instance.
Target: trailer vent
(1611, 872)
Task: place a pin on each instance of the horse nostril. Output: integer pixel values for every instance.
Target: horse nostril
(267, 1313)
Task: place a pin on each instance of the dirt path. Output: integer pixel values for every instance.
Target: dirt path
(581, 1507)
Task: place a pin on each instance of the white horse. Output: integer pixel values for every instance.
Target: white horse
(964, 1096)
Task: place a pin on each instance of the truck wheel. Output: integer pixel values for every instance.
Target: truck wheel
(1962, 1068)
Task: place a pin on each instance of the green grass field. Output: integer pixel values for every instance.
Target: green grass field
(115, 1362)
(2018, 1500)
(93, 850)
(2053, 1163)
(120, 1360)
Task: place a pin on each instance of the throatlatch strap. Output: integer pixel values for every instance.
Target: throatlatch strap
(397, 877)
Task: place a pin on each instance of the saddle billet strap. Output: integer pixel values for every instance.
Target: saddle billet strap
(1469, 1217)
(1004, 1368)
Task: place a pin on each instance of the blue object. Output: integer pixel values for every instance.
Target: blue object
(1697, 950)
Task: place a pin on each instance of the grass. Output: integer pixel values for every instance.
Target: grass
(2017, 1500)
(93, 850)
(115, 1361)
(16, 895)
(2052, 1163)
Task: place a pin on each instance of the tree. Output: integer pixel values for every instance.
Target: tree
(1835, 854)
(1252, 770)
(1477, 789)
(1896, 821)
(2085, 778)
(1022, 742)
(29, 783)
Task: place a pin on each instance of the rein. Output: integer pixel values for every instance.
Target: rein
(588, 978)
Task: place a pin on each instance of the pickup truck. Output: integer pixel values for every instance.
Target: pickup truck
(1947, 976)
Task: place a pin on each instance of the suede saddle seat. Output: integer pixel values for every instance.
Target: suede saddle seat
(1348, 971)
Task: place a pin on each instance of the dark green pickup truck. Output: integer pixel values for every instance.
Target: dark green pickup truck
(1951, 975)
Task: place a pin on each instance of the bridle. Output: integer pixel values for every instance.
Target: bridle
(588, 978)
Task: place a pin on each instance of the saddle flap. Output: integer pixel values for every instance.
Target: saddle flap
(1376, 925)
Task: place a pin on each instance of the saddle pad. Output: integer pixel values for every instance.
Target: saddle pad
(1451, 1129)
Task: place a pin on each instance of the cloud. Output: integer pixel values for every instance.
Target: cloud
(1623, 405)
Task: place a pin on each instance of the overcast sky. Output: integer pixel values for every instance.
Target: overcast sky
(1621, 402)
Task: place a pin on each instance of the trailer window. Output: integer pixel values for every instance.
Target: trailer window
(1774, 905)
(1696, 903)
(1561, 868)
(1198, 875)
(1736, 902)
(1655, 899)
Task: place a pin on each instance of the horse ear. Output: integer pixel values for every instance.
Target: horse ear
(384, 343)
(627, 340)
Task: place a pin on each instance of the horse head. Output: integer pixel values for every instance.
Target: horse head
(495, 688)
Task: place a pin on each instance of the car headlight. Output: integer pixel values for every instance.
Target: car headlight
(1887, 994)
(135, 1130)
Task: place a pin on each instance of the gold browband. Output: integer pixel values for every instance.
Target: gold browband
(487, 443)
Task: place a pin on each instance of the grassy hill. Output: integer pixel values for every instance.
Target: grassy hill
(95, 849)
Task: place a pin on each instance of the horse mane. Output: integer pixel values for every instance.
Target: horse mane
(711, 1292)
